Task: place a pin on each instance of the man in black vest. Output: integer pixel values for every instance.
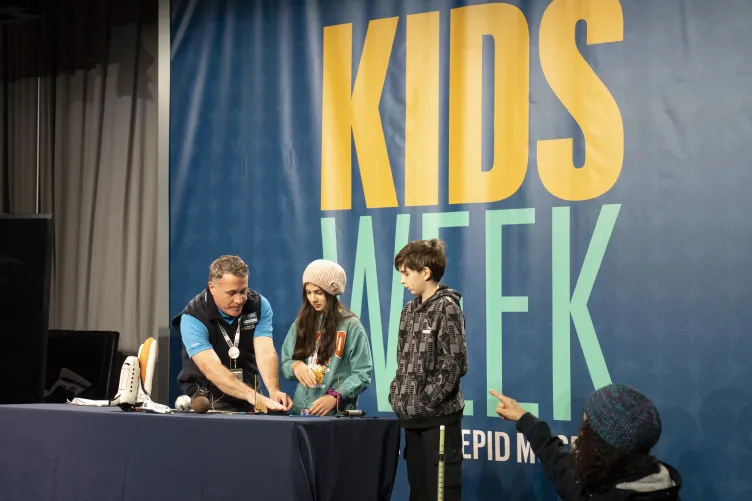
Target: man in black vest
(227, 341)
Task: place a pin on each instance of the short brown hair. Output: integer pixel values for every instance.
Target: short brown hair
(227, 264)
(421, 254)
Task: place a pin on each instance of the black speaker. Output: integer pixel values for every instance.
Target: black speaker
(26, 253)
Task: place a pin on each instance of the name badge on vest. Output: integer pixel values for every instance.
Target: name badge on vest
(249, 321)
(238, 373)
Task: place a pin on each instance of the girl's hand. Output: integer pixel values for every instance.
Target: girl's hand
(507, 408)
(323, 406)
(304, 374)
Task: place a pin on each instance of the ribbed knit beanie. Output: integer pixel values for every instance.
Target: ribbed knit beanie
(326, 274)
(624, 418)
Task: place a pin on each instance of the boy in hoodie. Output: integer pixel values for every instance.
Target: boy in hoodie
(431, 358)
(610, 460)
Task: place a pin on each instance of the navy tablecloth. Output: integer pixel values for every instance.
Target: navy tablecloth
(70, 453)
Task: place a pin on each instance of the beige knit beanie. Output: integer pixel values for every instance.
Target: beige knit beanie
(326, 274)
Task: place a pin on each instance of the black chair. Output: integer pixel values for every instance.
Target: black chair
(72, 355)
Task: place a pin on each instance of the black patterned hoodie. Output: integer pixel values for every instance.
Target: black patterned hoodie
(431, 359)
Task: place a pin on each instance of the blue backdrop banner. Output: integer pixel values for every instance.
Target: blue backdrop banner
(587, 163)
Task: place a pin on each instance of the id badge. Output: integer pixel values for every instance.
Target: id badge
(238, 373)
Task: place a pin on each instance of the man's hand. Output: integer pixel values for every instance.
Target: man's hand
(323, 406)
(304, 374)
(508, 409)
(269, 403)
(281, 398)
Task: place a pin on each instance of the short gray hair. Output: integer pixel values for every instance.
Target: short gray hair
(227, 264)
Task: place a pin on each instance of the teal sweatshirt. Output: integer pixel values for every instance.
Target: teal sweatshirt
(351, 363)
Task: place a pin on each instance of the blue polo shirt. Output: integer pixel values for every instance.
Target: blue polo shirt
(196, 337)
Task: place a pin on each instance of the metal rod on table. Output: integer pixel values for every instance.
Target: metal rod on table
(441, 463)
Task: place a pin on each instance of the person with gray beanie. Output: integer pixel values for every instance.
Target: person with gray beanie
(326, 349)
(610, 460)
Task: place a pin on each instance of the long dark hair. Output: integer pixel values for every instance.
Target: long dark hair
(597, 463)
(307, 324)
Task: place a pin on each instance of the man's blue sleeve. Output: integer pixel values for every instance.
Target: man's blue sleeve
(264, 327)
(194, 334)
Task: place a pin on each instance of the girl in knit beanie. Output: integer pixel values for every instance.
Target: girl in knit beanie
(611, 458)
(326, 349)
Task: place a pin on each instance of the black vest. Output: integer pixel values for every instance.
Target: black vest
(203, 308)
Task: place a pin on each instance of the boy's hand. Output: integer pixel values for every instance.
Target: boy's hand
(508, 409)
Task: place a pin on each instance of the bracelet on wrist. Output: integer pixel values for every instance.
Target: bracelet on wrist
(335, 395)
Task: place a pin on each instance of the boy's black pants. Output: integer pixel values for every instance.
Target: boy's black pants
(422, 458)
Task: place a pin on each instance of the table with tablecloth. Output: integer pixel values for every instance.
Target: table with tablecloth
(73, 453)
